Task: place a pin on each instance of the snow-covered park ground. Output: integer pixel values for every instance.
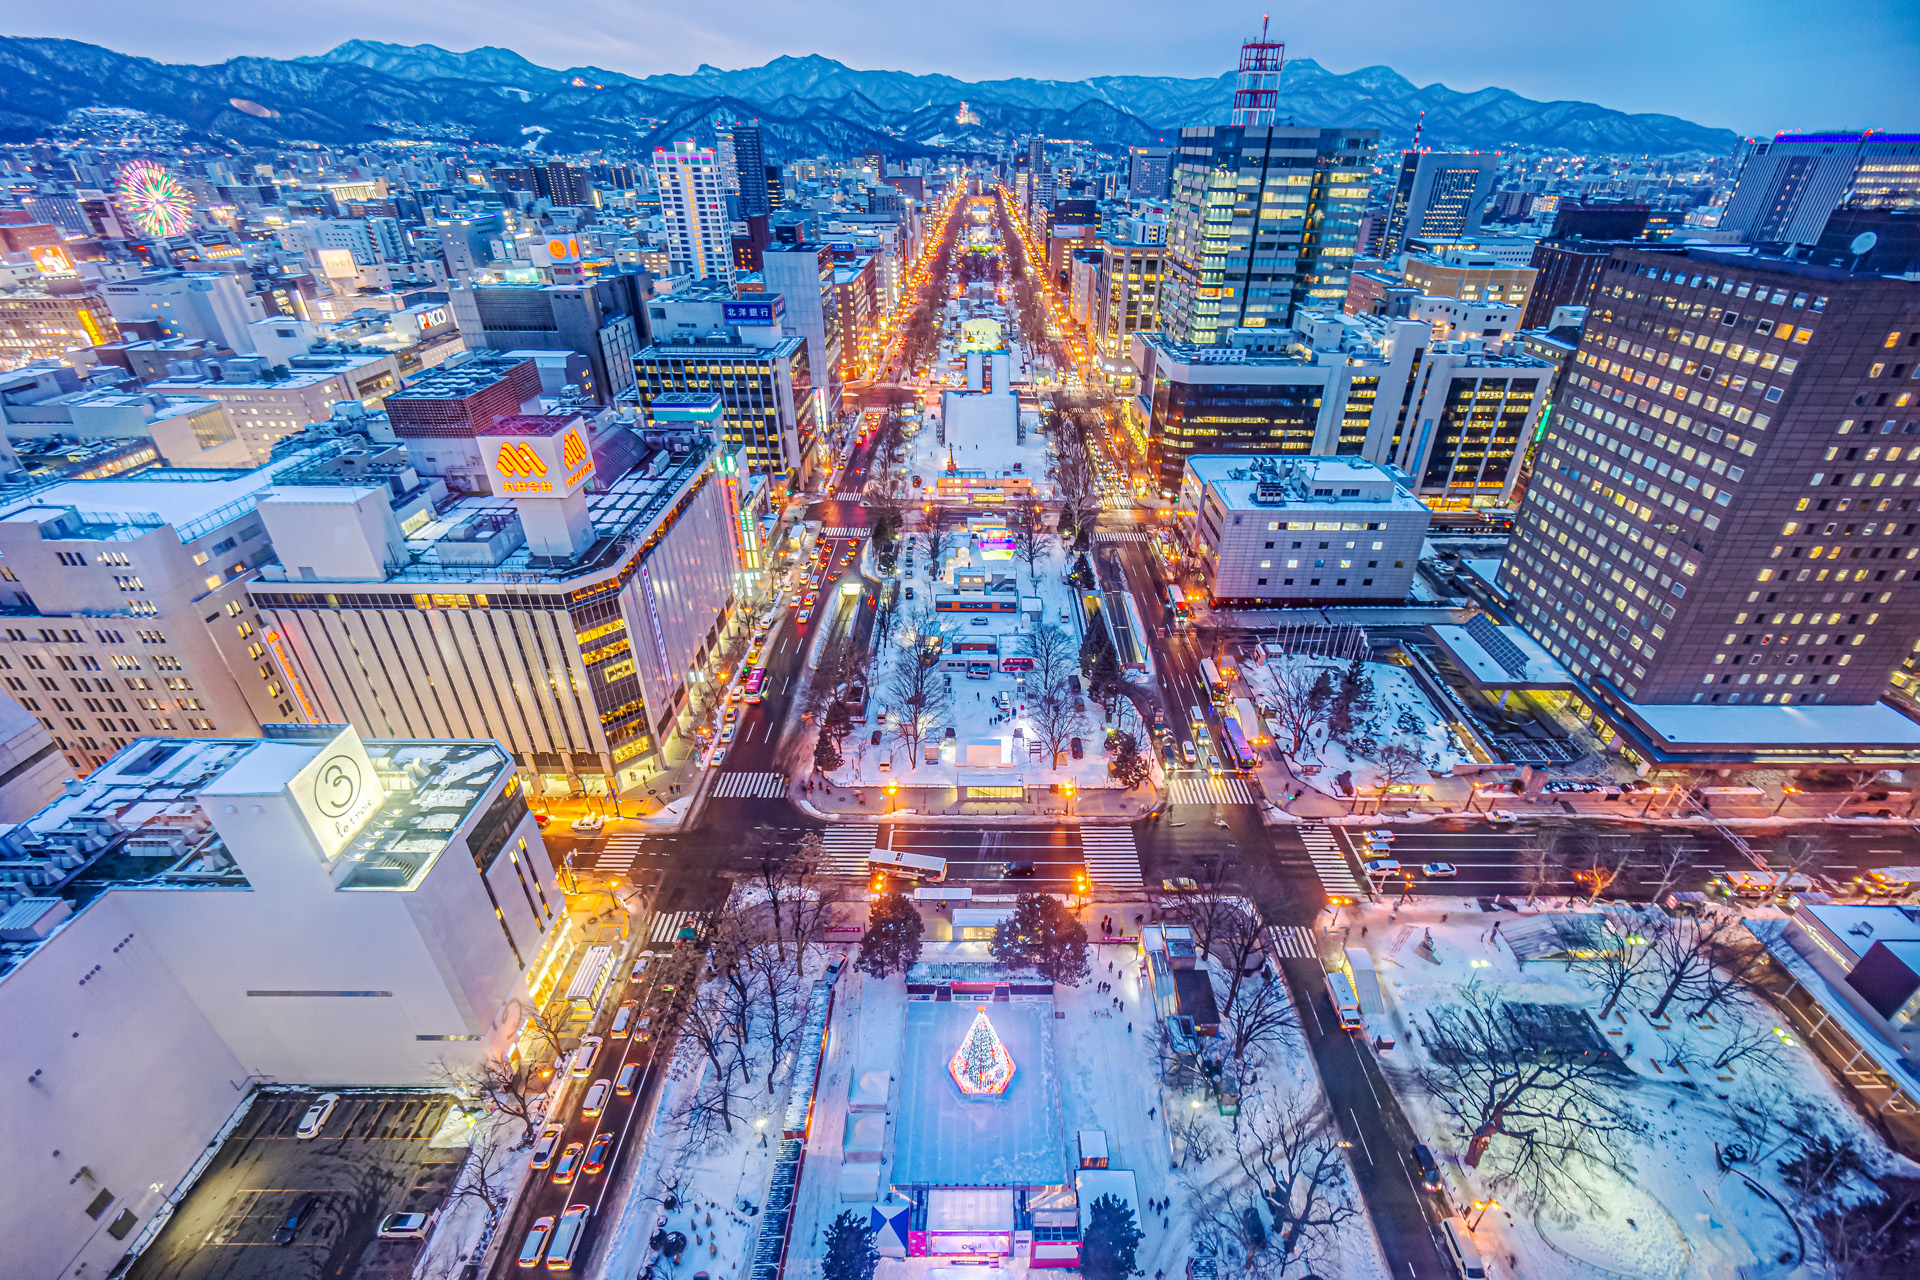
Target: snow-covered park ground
(1397, 713)
(1668, 1209)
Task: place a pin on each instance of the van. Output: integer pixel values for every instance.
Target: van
(596, 1100)
(623, 1083)
(1457, 1242)
(1196, 717)
(567, 1237)
(534, 1247)
(623, 1020)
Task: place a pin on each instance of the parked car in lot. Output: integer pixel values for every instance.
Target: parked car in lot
(296, 1214)
(316, 1117)
(403, 1226)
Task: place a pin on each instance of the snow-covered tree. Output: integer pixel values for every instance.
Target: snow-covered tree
(1042, 935)
(891, 943)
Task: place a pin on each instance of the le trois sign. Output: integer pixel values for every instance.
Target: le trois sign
(337, 792)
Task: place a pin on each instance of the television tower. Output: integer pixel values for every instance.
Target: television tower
(1256, 90)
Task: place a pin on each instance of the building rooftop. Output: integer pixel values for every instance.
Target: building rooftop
(137, 822)
(458, 381)
(1251, 482)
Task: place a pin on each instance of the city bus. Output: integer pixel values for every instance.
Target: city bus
(1210, 680)
(756, 684)
(1177, 612)
(1235, 744)
(1250, 723)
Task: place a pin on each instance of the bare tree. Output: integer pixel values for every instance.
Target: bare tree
(1301, 708)
(1294, 1192)
(552, 1025)
(1539, 859)
(917, 693)
(496, 1081)
(1226, 926)
(1027, 522)
(1598, 860)
(1615, 959)
(487, 1175)
(1705, 962)
(1749, 1042)
(1547, 1114)
(1398, 764)
(1054, 656)
(1255, 1019)
(1055, 717)
(1673, 859)
(1793, 858)
(711, 1048)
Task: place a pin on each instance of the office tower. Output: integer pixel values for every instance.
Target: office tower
(1149, 169)
(1438, 196)
(1264, 222)
(46, 321)
(803, 273)
(1722, 510)
(725, 163)
(750, 162)
(1468, 274)
(602, 320)
(1454, 414)
(1599, 221)
(1788, 186)
(776, 188)
(226, 912)
(743, 351)
(693, 203)
(562, 184)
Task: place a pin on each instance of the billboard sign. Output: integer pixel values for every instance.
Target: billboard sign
(337, 791)
(538, 457)
(760, 313)
(52, 260)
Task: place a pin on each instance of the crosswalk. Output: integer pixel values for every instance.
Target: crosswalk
(1112, 861)
(742, 785)
(1209, 791)
(668, 923)
(1336, 875)
(844, 531)
(617, 856)
(1122, 537)
(849, 495)
(1291, 942)
(846, 846)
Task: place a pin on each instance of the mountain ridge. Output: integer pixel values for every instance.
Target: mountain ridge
(366, 90)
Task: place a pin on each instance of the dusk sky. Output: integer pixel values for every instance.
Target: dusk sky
(1750, 65)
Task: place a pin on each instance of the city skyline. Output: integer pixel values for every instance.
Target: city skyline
(1788, 68)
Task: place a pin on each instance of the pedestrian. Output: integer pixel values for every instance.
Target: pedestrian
(1150, 1111)
(1129, 1028)
(1363, 931)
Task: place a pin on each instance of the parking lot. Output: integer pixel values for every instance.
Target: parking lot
(372, 1158)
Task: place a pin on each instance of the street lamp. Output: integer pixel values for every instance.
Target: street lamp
(893, 793)
(1481, 1207)
(1784, 793)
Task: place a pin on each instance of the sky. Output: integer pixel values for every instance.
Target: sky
(1754, 66)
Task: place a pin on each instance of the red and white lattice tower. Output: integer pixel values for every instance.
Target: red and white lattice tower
(1256, 91)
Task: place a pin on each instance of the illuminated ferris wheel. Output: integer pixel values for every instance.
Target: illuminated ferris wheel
(157, 201)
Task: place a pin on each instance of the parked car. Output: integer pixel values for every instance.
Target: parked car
(1073, 745)
(534, 1247)
(316, 1117)
(403, 1226)
(296, 1214)
(979, 621)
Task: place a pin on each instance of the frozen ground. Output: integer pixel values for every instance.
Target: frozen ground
(1677, 1214)
(1401, 714)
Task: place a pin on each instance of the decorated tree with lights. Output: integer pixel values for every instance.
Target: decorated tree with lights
(981, 1065)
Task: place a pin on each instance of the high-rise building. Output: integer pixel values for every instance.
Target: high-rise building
(693, 203)
(602, 320)
(442, 413)
(1438, 196)
(803, 273)
(1149, 170)
(750, 161)
(1723, 509)
(1788, 186)
(1264, 220)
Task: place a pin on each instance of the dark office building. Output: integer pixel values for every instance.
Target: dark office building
(750, 163)
(1723, 509)
(1599, 221)
(603, 321)
(776, 188)
(1569, 270)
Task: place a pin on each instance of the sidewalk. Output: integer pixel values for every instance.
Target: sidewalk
(943, 804)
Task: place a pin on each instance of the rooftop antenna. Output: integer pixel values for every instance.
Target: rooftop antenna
(1418, 126)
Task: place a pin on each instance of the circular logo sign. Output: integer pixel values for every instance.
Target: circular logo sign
(337, 786)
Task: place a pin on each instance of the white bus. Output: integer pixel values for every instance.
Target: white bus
(1346, 1005)
(917, 865)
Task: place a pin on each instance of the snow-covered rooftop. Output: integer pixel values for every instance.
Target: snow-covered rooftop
(1839, 727)
(1496, 657)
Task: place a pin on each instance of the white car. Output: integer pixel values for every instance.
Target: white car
(403, 1226)
(596, 1100)
(584, 1056)
(589, 824)
(1439, 870)
(1383, 868)
(316, 1117)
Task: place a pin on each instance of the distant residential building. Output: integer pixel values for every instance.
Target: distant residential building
(1789, 185)
(1281, 532)
(40, 323)
(693, 204)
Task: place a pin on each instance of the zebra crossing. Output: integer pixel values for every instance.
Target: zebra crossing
(744, 785)
(1329, 862)
(618, 855)
(1112, 861)
(1291, 942)
(1222, 790)
(1123, 537)
(845, 848)
(849, 495)
(844, 531)
(668, 923)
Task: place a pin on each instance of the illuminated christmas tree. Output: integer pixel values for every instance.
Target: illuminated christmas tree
(981, 1065)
